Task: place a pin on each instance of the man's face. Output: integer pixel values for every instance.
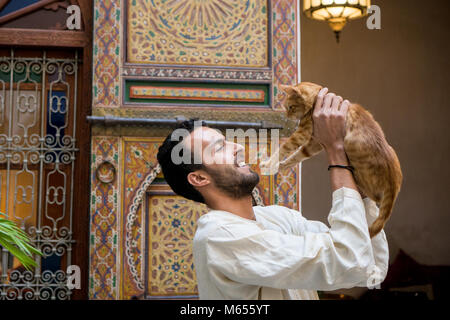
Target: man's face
(224, 162)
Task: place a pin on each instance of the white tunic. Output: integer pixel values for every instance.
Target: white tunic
(282, 255)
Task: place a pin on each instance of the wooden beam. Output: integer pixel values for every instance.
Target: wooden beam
(86, 12)
(25, 10)
(43, 37)
(81, 226)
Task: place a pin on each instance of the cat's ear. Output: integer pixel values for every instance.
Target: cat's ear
(290, 90)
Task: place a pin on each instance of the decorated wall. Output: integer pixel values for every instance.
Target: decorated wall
(218, 60)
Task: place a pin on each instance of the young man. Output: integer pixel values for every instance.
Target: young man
(246, 252)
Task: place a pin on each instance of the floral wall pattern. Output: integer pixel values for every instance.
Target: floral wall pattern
(195, 32)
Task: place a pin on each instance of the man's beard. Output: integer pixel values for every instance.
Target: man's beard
(234, 183)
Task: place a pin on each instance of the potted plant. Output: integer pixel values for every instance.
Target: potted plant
(17, 242)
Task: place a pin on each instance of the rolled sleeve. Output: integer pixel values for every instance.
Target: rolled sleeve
(336, 257)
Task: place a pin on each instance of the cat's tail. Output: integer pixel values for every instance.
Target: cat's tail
(386, 206)
(389, 196)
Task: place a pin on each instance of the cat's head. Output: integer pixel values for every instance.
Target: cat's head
(300, 98)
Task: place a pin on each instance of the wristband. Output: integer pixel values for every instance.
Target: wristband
(350, 168)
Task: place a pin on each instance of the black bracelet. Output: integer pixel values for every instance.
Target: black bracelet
(342, 167)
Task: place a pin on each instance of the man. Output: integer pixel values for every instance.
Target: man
(272, 252)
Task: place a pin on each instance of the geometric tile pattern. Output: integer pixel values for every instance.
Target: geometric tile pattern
(285, 71)
(106, 54)
(104, 222)
(173, 221)
(285, 31)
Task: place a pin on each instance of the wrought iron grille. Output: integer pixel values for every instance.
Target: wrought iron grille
(38, 108)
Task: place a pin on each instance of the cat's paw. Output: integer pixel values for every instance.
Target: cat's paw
(269, 167)
(283, 165)
(287, 164)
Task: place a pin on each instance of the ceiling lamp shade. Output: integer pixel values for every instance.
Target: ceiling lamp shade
(335, 12)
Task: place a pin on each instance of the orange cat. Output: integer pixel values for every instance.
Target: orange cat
(377, 169)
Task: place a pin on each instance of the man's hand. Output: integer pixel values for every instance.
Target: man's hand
(329, 117)
(329, 120)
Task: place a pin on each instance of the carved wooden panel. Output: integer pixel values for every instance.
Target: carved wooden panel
(192, 32)
(172, 224)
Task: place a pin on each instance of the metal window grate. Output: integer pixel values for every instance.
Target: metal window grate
(38, 101)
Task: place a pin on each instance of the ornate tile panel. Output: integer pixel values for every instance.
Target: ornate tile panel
(285, 65)
(139, 164)
(205, 94)
(231, 33)
(104, 219)
(173, 222)
(286, 188)
(106, 55)
(285, 71)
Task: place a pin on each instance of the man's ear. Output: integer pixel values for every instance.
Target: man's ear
(290, 90)
(198, 178)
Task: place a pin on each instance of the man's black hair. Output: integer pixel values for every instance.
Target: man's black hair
(176, 174)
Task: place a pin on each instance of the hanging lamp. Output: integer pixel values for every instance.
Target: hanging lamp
(335, 12)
